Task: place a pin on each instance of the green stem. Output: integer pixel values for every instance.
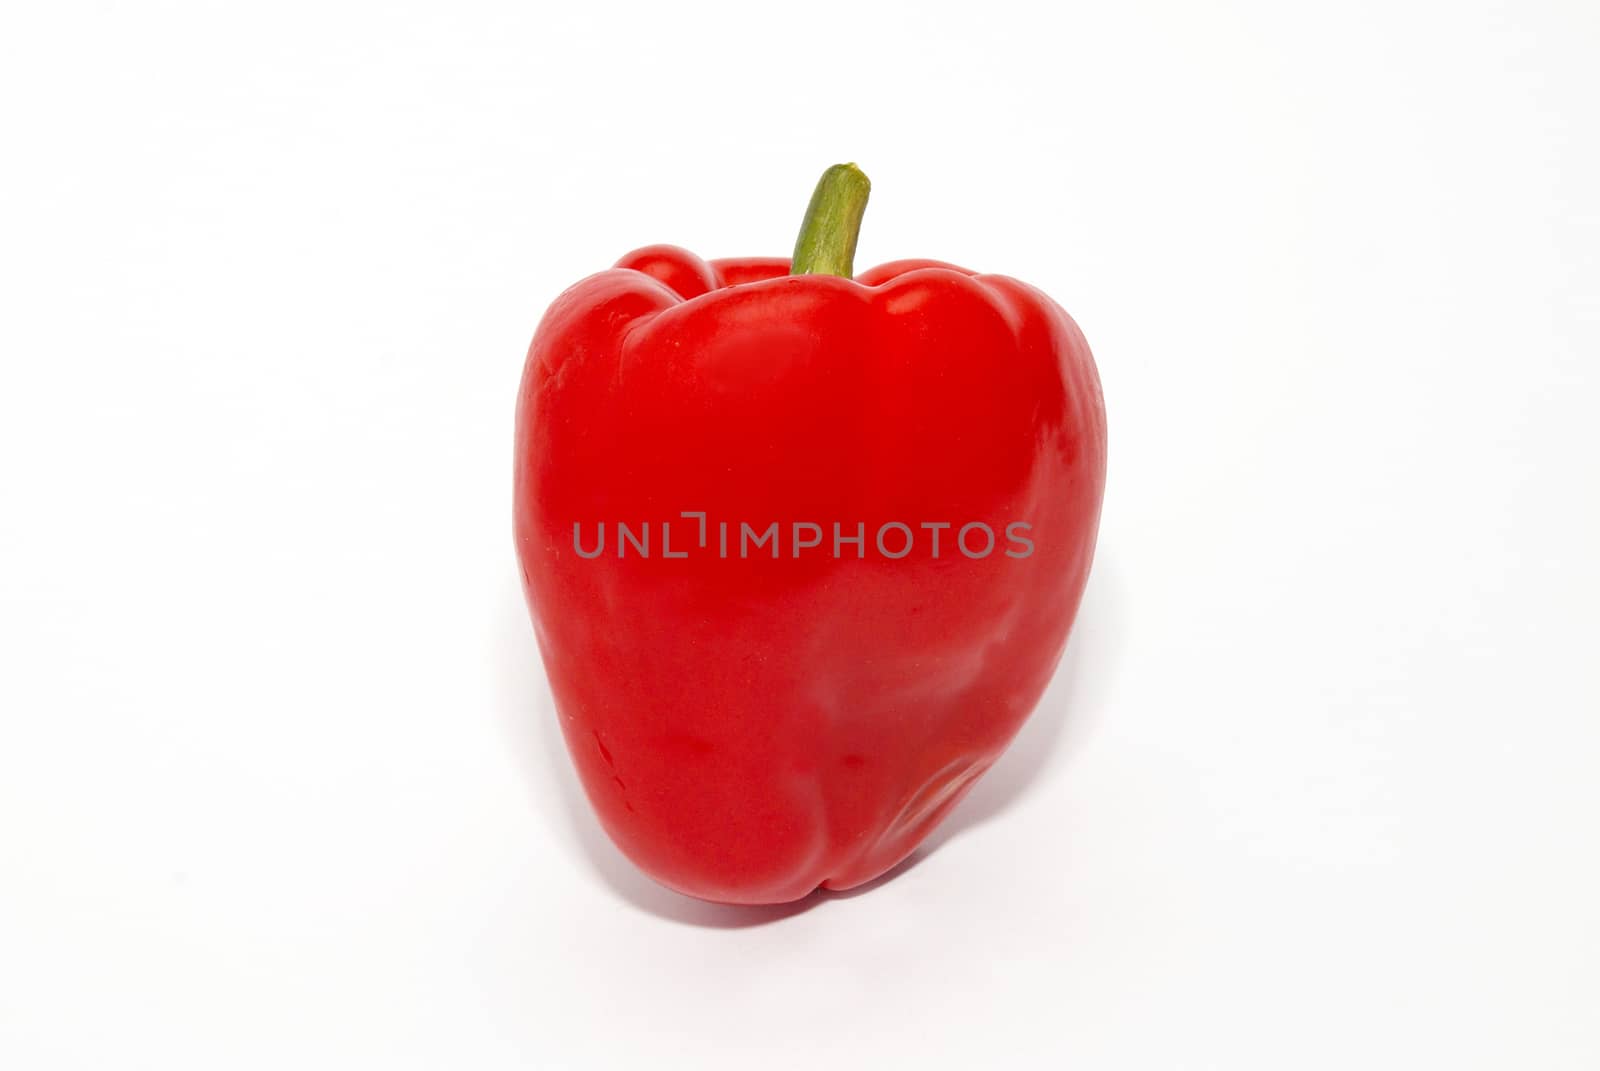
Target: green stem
(827, 242)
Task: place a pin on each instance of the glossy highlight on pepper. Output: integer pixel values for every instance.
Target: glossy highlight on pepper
(750, 728)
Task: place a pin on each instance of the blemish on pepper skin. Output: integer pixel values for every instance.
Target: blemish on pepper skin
(853, 762)
(605, 754)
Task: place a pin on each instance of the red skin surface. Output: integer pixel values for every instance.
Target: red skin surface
(750, 729)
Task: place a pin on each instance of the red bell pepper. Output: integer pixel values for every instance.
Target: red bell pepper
(802, 550)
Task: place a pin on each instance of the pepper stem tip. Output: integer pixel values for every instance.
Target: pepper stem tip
(827, 241)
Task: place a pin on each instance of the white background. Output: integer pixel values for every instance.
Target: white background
(1316, 786)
